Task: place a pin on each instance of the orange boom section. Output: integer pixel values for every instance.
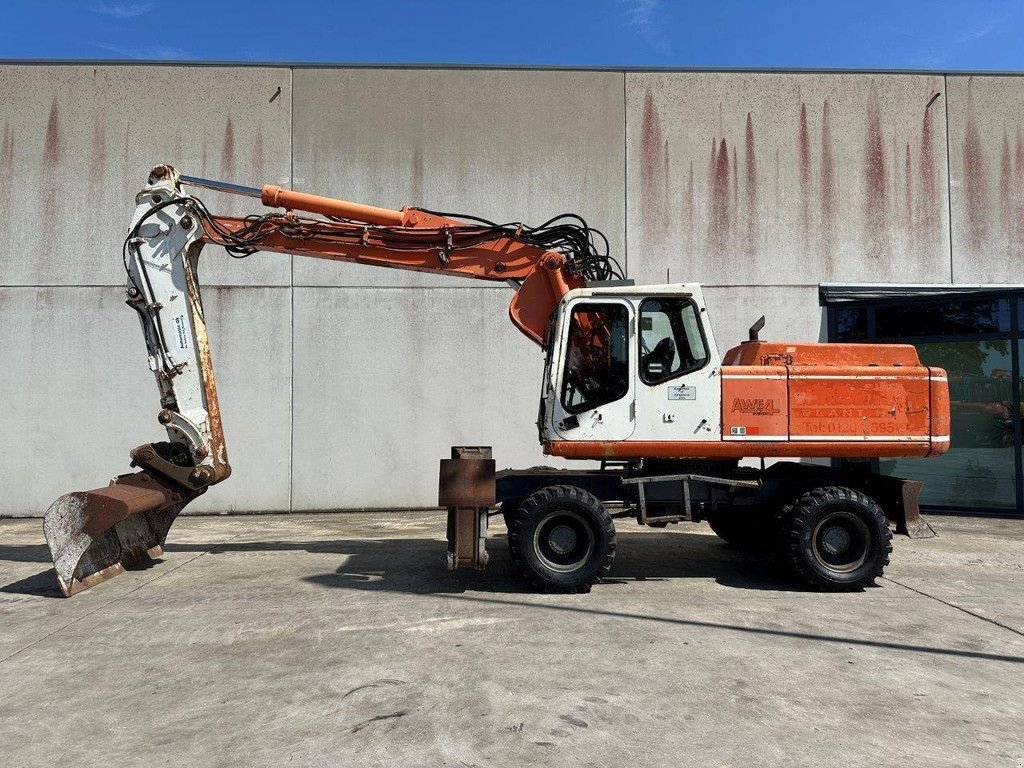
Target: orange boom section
(418, 240)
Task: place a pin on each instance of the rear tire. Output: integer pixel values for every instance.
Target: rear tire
(562, 539)
(837, 539)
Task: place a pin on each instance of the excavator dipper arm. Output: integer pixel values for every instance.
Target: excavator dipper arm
(96, 534)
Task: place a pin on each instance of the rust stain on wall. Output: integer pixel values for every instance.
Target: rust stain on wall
(227, 155)
(734, 213)
(1011, 196)
(653, 182)
(753, 218)
(975, 188)
(829, 193)
(876, 244)
(741, 205)
(927, 230)
(51, 181)
(804, 154)
(718, 219)
(1006, 201)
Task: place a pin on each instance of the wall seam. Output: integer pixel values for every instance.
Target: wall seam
(949, 178)
(291, 281)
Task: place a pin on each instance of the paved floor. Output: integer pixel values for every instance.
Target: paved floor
(340, 640)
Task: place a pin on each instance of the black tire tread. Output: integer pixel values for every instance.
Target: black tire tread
(531, 506)
(795, 518)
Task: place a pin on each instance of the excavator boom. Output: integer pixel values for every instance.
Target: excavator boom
(96, 534)
(632, 376)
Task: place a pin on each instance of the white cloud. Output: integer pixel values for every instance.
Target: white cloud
(147, 53)
(124, 9)
(643, 16)
(976, 33)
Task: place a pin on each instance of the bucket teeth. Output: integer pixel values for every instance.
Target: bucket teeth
(95, 535)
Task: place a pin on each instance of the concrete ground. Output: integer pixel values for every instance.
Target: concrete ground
(341, 640)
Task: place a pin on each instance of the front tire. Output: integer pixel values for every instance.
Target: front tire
(562, 539)
(837, 539)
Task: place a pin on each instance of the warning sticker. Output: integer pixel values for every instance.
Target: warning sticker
(682, 393)
(181, 333)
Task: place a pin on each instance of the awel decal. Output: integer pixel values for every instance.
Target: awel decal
(754, 406)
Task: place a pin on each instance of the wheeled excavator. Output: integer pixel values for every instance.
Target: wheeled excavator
(633, 382)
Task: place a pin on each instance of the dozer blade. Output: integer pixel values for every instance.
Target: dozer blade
(95, 535)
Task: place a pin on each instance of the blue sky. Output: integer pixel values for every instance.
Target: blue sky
(865, 34)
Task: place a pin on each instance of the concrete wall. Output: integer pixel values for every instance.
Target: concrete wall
(759, 185)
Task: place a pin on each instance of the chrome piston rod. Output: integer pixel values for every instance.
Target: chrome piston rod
(220, 186)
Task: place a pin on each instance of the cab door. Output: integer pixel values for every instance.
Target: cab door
(679, 393)
(594, 373)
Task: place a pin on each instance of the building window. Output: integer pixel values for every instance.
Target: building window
(978, 340)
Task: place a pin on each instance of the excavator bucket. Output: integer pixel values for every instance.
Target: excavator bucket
(95, 535)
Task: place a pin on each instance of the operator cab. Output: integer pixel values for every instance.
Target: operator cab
(631, 363)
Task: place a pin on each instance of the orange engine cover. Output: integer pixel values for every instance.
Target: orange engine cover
(842, 394)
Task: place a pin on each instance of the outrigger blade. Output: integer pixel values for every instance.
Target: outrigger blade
(95, 535)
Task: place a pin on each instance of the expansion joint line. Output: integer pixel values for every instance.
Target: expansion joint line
(132, 591)
(969, 612)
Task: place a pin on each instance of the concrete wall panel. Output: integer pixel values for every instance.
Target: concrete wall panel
(791, 313)
(507, 146)
(78, 395)
(250, 335)
(78, 142)
(986, 155)
(76, 391)
(786, 179)
(387, 380)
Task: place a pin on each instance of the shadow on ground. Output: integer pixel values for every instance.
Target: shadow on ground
(416, 565)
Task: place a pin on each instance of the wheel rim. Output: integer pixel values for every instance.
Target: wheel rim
(563, 541)
(841, 541)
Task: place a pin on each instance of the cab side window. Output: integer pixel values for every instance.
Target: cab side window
(597, 357)
(671, 339)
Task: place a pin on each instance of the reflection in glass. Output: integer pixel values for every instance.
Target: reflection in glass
(948, 318)
(851, 323)
(979, 469)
